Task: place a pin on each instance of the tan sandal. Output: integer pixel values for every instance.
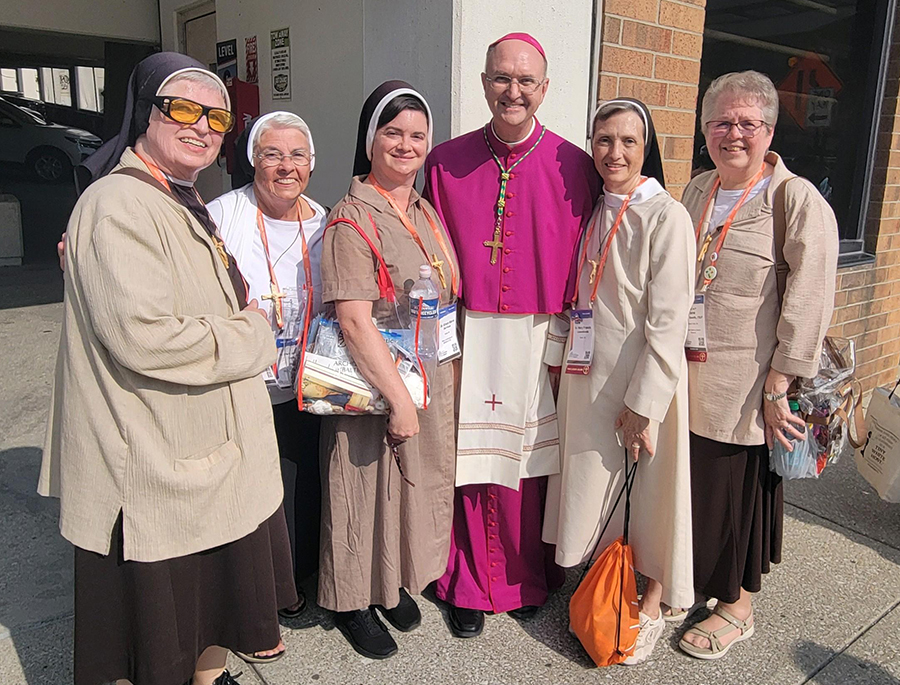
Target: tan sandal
(680, 614)
(716, 649)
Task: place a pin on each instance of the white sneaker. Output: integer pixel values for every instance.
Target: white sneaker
(650, 631)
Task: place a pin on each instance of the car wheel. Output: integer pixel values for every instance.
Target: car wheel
(50, 165)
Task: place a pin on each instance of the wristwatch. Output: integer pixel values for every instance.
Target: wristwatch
(774, 396)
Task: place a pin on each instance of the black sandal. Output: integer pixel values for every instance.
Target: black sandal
(295, 613)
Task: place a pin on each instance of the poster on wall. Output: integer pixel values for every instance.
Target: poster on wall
(252, 72)
(281, 64)
(226, 60)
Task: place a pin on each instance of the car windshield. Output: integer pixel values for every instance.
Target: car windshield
(21, 114)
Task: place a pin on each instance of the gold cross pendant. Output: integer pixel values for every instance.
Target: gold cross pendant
(595, 264)
(438, 265)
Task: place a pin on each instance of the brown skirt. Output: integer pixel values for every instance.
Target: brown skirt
(149, 622)
(738, 517)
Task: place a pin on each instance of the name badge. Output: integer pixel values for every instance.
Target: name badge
(581, 353)
(695, 343)
(448, 348)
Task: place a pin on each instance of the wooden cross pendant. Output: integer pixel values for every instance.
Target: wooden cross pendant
(277, 305)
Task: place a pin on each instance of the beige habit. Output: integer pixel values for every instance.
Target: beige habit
(158, 409)
(747, 329)
(640, 322)
(378, 533)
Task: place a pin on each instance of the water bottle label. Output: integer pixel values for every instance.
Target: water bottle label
(430, 309)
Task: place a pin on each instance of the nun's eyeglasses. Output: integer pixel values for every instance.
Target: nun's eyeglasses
(747, 128)
(186, 111)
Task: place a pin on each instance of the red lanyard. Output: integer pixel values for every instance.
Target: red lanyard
(436, 264)
(276, 295)
(599, 266)
(710, 272)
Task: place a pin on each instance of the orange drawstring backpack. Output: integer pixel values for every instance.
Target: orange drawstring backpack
(603, 612)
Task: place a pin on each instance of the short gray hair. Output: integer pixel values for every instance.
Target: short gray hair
(751, 85)
(281, 121)
(204, 78)
(612, 107)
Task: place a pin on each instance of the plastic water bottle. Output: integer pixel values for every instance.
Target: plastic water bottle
(425, 292)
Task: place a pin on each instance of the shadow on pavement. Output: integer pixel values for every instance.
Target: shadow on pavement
(852, 671)
(29, 285)
(35, 577)
(45, 211)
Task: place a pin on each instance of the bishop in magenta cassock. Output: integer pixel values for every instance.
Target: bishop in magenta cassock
(515, 198)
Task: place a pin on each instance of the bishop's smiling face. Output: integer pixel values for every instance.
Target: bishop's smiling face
(184, 150)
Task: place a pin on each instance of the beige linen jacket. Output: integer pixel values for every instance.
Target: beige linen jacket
(158, 407)
(746, 330)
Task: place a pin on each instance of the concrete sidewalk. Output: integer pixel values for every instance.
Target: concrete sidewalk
(829, 614)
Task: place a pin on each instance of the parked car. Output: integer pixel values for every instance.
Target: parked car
(48, 151)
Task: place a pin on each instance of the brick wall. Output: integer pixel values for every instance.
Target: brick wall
(651, 51)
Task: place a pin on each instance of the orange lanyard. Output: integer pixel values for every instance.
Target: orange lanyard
(276, 295)
(161, 177)
(599, 266)
(437, 264)
(156, 171)
(710, 272)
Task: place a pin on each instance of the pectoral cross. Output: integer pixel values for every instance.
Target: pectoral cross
(277, 304)
(438, 265)
(595, 264)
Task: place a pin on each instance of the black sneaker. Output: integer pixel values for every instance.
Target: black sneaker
(366, 633)
(466, 622)
(406, 615)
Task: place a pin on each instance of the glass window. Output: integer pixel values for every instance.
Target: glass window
(87, 89)
(826, 59)
(9, 81)
(31, 83)
(47, 91)
(99, 84)
(62, 89)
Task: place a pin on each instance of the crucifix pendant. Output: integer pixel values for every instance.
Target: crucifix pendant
(595, 264)
(438, 265)
(277, 305)
(220, 248)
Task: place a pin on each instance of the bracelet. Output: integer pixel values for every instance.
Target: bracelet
(774, 396)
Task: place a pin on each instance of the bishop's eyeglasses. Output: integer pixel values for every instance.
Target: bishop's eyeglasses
(527, 84)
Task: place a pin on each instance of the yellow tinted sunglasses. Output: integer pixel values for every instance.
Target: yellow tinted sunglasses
(186, 111)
